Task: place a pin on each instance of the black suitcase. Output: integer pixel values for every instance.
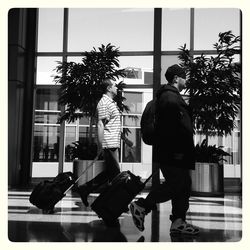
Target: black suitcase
(47, 194)
(114, 200)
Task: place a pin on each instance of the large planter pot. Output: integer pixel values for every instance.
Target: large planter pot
(80, 165)
(207, 179)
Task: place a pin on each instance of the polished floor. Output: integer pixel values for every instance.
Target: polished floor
(219, 220)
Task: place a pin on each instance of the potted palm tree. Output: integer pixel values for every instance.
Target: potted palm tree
(214, 88)
(207, 179)
(80, 85)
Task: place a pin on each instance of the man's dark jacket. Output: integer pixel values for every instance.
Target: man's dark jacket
(174, 144)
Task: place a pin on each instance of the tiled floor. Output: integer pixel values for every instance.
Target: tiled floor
(219, 220)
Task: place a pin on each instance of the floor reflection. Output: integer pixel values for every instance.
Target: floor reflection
(219, 220)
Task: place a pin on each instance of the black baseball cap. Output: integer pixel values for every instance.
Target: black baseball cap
(175, 70)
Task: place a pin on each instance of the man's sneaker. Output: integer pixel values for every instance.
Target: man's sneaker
(180, 226)
(138, 215)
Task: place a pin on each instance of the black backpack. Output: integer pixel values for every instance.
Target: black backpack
(148, 119)
(148, 123)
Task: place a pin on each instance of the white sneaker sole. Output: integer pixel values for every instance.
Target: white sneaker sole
(137, 221)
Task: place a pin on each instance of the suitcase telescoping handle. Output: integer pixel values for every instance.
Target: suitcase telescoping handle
(84, 171)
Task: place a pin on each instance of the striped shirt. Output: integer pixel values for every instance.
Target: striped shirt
(107, 109)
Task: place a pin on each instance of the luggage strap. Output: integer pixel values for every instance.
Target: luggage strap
(84, 171)
(153, 174)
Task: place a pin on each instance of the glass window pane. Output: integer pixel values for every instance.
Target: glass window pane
(131, 121)
(148, 77)
(76, 59)
(175, 28)
(142, 62)
(132, 154)
(210, 22)
(128, 29)
(84, 134)
(71, 123)
(70, 135)
(46, 143)
(50, 30)
(134, 102)
(138, 69)
(69, 139)
(228, 147)
(133, 73)
(213, 140)
(238, 147)
(46, 69)
(89, 150)
(47, 99)
(138, 76)
(46, 117)
(199, 138)
(84, 121)
(236, 137)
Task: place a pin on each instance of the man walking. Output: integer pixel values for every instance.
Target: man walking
(174, 151)
(109, 135)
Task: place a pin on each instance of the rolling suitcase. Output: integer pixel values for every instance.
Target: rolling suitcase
(114, 200)
(47, 194)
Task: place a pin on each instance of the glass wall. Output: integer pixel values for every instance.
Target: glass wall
(132, 31)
